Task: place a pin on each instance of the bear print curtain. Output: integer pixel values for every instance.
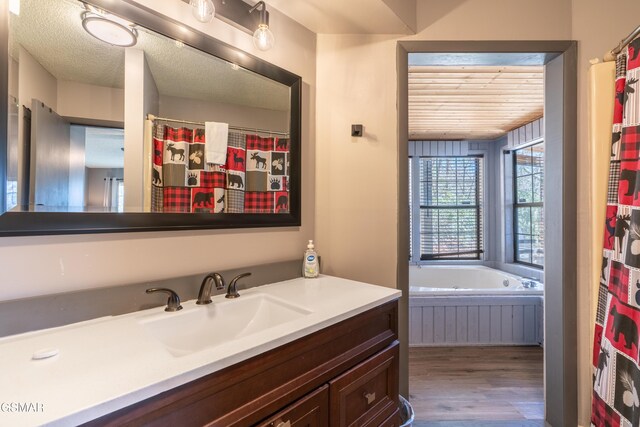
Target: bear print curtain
(254, 179)
(616, 372)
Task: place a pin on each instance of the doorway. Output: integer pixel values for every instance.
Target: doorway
(559, 60)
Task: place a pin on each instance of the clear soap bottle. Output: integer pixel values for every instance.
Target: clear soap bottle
(310, 265)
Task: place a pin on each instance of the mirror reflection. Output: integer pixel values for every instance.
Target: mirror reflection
(155, 127)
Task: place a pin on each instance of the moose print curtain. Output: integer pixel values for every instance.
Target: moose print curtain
(180, 179)
(255, 178)
(616, 380)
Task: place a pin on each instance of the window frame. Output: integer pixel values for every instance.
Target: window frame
(480, 207)
(516, 205)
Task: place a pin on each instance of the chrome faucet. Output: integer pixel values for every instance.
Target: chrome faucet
(173, 303)
(232, 292)
(204, 296)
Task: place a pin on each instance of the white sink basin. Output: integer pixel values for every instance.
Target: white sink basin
(198, 327)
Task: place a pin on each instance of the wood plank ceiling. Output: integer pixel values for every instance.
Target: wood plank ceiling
(472, 102)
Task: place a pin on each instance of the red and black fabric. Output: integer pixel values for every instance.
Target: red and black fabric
(255, 142)
(254, 179)
(258, 202)
(177, 199)
(618, 284)
(630, 143)
(181, 181)
(157, 183)
(603, 415)
(267, 172)
(616, 370)
(236, 172)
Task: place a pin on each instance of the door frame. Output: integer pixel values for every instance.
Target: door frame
(560, 308)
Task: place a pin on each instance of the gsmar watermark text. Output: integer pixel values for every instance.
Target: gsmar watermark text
(21, 407)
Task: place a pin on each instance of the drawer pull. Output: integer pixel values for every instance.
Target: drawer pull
(370, 397)
(281, 423)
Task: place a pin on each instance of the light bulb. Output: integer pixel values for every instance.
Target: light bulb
(203, 10)
(263, 37)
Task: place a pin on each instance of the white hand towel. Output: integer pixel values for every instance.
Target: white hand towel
(216, 137)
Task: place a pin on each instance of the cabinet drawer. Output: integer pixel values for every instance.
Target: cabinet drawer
(366, 395)
(393, 420)
(310, 411)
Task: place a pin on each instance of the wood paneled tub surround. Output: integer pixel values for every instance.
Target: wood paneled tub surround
(328, 355)
(473, 305)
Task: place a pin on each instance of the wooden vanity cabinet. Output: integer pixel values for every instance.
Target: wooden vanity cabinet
(343, 375)
(366, 395)
(310, 411)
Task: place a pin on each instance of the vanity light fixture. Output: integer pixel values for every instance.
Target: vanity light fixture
(263, 37)
(108, 28)
(239, 14)
(203, 10)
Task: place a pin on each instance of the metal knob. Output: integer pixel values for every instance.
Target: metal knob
(369, 397)
(173, 302)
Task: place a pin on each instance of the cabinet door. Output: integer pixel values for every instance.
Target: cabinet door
(310, 411)
(366, 395)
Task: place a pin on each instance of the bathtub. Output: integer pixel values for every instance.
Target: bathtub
(473, 305)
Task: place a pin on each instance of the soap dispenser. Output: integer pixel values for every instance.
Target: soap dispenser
(310, 264)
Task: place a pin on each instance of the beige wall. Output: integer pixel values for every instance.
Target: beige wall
(236, 115)
(357, 195)
(356, 202)
(49, 264)
(141, 98)
(494, 19)
(34, 81)
(405, 10)
(90, 101)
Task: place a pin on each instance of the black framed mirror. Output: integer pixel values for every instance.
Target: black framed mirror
(182, 65)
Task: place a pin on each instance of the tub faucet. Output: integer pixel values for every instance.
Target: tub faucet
(204, 296)
(232, 292)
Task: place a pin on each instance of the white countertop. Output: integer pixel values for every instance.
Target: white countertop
(112, 362)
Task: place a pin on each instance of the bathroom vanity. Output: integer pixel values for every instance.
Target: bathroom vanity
(300, 352)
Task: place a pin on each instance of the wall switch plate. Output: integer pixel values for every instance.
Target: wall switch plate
(357, 130)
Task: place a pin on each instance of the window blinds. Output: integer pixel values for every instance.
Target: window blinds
(451, 219)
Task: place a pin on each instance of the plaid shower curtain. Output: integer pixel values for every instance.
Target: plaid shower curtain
(616, 367)
(180, 178)
(255, 178)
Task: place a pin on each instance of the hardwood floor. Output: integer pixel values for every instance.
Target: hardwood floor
(476, 386)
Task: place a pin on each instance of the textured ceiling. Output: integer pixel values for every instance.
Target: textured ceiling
(51, 31)
(472, 102)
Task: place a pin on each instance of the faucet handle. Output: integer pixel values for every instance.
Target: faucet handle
(173, 302)
(232, 291)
